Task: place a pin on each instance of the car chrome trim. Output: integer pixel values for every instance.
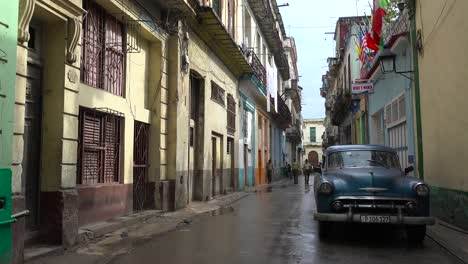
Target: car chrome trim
(394, 219)
(373, 189)
(373, 198)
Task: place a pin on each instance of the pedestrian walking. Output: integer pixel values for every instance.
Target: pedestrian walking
(288, 170)
(269, 171)
(307, 169)
(295, 170)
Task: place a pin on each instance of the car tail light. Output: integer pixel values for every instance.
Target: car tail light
(325, 188)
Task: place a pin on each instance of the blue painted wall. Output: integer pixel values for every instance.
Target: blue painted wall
(386, 88)
(250, 167)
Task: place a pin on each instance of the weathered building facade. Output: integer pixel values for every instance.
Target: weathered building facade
(313, 131)
(406, 110)
(126, 105)
(88, 115)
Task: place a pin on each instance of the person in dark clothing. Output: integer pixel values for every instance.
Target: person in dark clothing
(289, 170)
(269, 171)
(295, 171)
(307, 169)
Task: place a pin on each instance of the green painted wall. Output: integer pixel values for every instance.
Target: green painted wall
(8, 39)
(450, 206)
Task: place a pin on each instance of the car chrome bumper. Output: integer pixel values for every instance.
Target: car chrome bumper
(394, 219)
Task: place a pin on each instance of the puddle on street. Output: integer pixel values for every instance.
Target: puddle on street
(221, 211)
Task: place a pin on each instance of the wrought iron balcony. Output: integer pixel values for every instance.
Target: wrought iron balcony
(283, 116)
(294, 133)
(257, 66)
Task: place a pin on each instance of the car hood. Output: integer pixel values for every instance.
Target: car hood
(370, 181)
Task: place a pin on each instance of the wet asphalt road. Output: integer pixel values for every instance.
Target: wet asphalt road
(277, 227)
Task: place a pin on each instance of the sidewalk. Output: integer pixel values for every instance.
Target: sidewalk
(453, 239)
(118, 235)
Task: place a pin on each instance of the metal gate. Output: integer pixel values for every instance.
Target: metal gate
(398, 139)
(140, 166)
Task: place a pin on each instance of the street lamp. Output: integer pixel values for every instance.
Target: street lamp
(387, 61)
(388, 65)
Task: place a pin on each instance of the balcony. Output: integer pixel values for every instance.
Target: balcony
(391, 32)
(268, 15)
(283, 116)
(294, 133)
(207, 25)
(257, 66)
(341, 108)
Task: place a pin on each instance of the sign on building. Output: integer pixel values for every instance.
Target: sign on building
(358, 88)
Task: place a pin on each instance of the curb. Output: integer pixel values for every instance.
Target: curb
(451, 246)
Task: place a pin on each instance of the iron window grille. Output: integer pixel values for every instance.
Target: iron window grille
(98, 147)
(103, 54)
(217, 93)
(231, 114)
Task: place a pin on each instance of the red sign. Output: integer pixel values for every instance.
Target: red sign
(358, 88)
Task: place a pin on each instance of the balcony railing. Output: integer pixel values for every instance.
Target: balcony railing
(294, 132)
(257, 66)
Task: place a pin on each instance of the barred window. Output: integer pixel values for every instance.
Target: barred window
(217, 93)
(98, 147)
(103, 57)
(231, 114)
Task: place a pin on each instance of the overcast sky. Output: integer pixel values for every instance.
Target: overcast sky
(308, 21)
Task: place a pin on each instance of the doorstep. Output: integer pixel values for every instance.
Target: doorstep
(452, 238)
(99, 229)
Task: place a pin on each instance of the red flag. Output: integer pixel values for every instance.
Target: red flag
(377, 20)
(371, 43)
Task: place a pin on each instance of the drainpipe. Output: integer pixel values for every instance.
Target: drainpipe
(417, 99)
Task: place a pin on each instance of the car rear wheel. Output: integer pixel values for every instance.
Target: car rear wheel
(416, 234)
(324, 229)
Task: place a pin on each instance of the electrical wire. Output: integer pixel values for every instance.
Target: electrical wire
(436, 24)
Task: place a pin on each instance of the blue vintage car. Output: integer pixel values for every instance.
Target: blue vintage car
(365, 184)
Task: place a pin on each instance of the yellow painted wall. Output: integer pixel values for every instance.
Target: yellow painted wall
(133, 106)
(205, 62)
(443, 78)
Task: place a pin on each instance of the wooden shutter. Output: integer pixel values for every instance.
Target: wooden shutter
(99, 148)
(90, 148)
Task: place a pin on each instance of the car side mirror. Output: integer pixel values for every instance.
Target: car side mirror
(409, 169)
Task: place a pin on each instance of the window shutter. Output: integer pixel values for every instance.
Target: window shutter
(90, 149)
(111, 149)
(388, 114)
(402, 108)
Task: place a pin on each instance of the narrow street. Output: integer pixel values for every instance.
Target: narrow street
(276, 226)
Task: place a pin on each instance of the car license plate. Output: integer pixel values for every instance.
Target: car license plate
(381, 219)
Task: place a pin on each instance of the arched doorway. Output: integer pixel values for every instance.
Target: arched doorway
(313, 158)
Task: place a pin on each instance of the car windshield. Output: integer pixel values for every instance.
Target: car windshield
(363, 158)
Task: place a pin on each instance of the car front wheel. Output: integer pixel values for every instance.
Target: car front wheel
(324, 229)
(416, 234)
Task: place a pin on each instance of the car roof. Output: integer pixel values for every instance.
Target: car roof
(358, 147)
